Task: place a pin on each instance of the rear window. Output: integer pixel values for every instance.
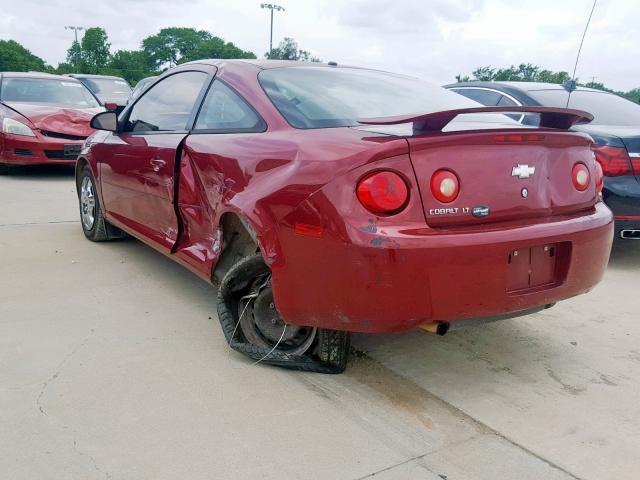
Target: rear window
(321, 97)
(106, 88)
(67, 93)
(606, 108)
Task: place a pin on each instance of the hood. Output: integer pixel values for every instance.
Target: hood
(53, 118)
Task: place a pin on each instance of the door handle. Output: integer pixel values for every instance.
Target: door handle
(157, 164)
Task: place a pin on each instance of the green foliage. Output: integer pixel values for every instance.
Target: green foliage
(526, 72)
(633, 94)
(171, 44)
(288, 50)
(132, 65)
(15, 58)
(215, 47)
(95, 50)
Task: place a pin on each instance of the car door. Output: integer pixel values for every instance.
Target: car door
(138, 163)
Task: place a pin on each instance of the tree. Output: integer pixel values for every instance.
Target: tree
(90, 55)
(525, 72)
(132, 65)
(288, 50)
(170, 45)
(74, 58)
(15, 58)
(633, 94)
(215, 47)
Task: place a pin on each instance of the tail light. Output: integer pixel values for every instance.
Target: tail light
(614, 160)
(382, 192)
(599, 177)
(635, 163)
(580, 176)
(445, 186)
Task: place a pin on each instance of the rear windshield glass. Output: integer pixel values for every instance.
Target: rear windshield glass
(320, 97)
(606, 108)
(106, 88)
(66, 93)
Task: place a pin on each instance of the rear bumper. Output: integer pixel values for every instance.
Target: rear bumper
(622, 196)
(405, 278)
(39, 150)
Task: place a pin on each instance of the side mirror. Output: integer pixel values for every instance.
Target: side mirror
(111, 106)
(105, 121)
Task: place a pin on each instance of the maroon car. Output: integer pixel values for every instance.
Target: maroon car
(45, 118)
(325, 200)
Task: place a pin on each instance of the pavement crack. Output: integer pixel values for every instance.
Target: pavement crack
(55, 375)
(91, 459)
(38, 223)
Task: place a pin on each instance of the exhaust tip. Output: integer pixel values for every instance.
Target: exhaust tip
(630, 234)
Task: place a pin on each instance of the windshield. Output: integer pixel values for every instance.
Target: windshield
(318, 97)
(107, 88)
(40, 90)
(607, 109)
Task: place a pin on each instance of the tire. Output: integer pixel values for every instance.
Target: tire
(94, 226)
(4, 169)
(328, 351)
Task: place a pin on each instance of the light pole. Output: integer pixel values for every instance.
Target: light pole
(272, 7)
(75, 30)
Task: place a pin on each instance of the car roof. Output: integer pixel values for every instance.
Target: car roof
(34, 75)
(89, 75)
(522, 86)
(260, 63)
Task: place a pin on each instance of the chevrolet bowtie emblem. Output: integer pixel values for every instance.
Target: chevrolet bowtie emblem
(523, 171)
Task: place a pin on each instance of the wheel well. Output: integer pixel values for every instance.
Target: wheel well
(238, 241)
(80, 164)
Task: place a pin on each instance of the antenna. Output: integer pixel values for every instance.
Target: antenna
(571, 84)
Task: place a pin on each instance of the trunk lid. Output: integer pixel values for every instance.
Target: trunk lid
(503, 175)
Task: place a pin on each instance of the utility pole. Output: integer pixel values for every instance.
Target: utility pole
(272, 7)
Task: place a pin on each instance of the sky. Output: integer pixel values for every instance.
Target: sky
(432, 39)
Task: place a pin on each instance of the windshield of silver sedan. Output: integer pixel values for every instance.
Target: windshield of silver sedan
(49, 91)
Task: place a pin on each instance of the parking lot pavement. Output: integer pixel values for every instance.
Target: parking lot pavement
(113, 365)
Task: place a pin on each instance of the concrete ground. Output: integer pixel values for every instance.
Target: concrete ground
(113, 365)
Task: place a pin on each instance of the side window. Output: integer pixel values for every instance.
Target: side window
(167, 106)
(488, 98)
(225, 111)
(507, 102)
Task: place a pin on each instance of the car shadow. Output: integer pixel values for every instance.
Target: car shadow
(625, 255)
(41, 172)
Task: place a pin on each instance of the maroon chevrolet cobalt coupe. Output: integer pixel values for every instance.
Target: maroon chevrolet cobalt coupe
(44, 118)
(325, 200)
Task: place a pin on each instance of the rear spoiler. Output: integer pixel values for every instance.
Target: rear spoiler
(550, 117)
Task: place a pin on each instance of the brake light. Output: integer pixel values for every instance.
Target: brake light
(635, 163)
(580, 176)
(599, 177)
(614, 160)
(445, 186)
(516, 138)
(382, 192)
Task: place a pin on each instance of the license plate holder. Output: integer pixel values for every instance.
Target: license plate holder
(533, 267)
(71, 149)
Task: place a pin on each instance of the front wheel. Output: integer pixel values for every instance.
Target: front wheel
(94, 226)
(253, 326)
